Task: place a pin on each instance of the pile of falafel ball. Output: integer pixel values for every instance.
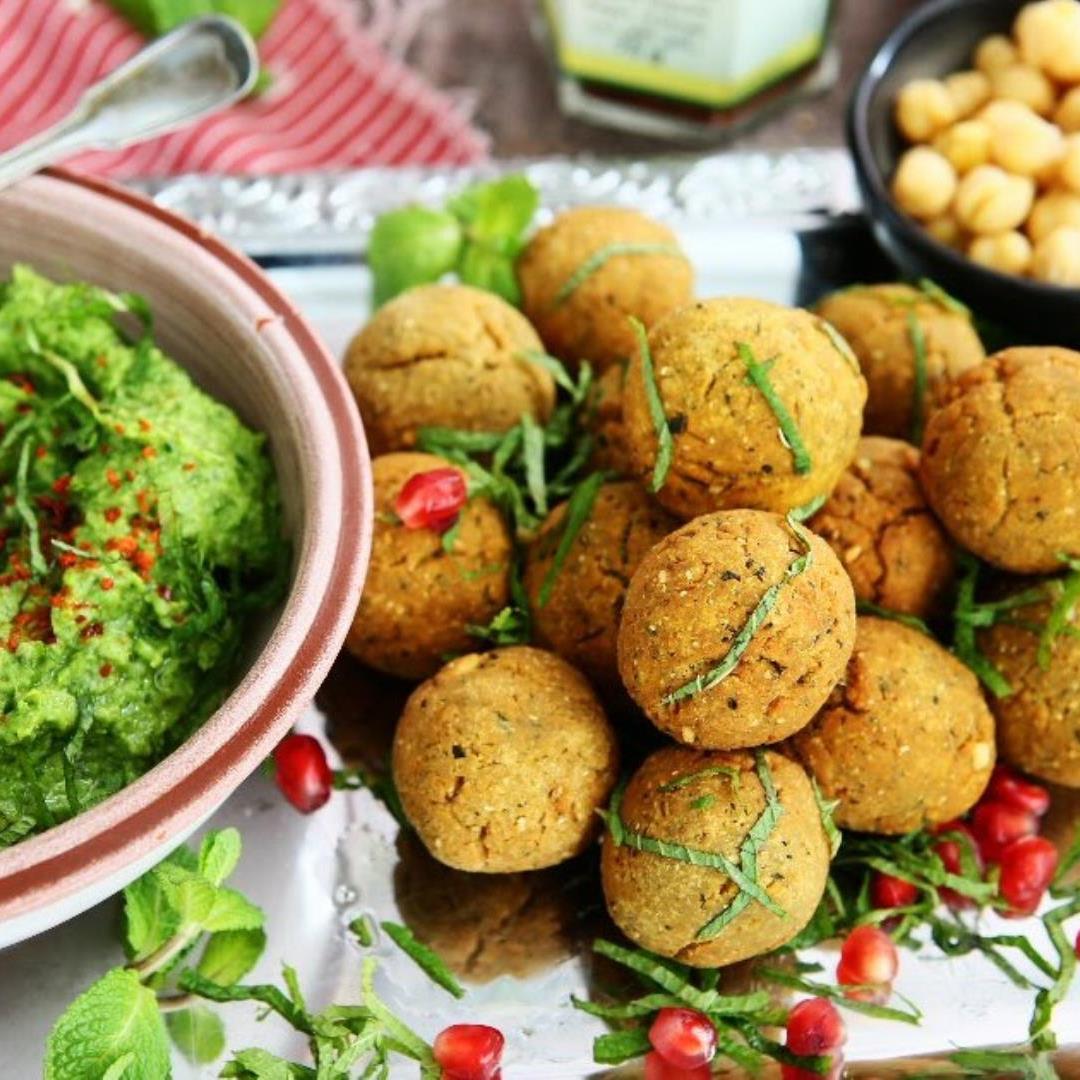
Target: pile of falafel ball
(767, 472)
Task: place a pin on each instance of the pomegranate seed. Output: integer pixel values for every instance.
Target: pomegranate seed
(302, 772)
(656, 1068)
(431, 500)
(1027, 868)
(950, 852)
(468, 1051)
(1008, 786)
(684, 1038)
(887, 891)
(868, 960)
(815, 1026)
(997, 824)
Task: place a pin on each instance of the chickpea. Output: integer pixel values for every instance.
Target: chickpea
(1057, 257)
(1068, 172)
(1026, 84)
(965, 145)
(995, 51)
(946, 230)
(1020, 141)
(990, 200)
(1067, 114)
(1051, 211)
(969, 90)
(923, 108)
(1008, 252)
(1048, 33)
(924, 183)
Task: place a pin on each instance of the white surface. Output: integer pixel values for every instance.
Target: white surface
(312, 875)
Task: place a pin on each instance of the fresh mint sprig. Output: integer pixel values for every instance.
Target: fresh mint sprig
(476, 236)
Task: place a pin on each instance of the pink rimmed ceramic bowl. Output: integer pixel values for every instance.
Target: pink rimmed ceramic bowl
(220, 317)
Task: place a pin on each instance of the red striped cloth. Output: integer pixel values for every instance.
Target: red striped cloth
(336, 99)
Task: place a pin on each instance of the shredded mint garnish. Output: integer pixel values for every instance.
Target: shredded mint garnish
(429, 962)
(868, 607)
(967, 617)
(936, 293)
(703, 802)
(557, 370)
(733, 774)
(621, 835)
(532, 445)
(665, 444)
(827, 808)
(911, 1015)
(26, 512)
(839, 343)
(578, 510)
(918, 392)
(717, 674)
(1062, 610)
(757, 374)
(598, 258)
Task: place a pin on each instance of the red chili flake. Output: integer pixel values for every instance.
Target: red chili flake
(22, 382)
(113, 477)
(60, 599)
(164, 592)
(105, 670)
(144, 424)
(41, 451)
(149, 452)
(80, 619)
(129, 475)
(112, 513)
(102, 361)
(67, 559)
(107, 583)
(126, 545)
(119, 429)
(145, 500)
(189, 466)
(22, 408)
(95, 629)
(61, 484)
(144, 561)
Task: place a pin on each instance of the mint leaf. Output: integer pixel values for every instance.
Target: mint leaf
(231, 911)
(230, 954)
(116, 1018)
(191, 895)
(149, 919)
(262, 1065)
(500, 210)
(120, 1066)
(484, 268)
(412, 246)
(198, 1033)
(219, 854)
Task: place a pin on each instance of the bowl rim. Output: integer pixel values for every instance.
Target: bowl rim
(97, 845)
(870, 175)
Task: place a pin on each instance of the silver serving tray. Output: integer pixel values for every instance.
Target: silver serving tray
(774, 226)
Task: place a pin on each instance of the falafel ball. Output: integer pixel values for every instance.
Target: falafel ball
(502, 759)
(445, 356)
(709, 802)
(602, 417)
(419, 598)
(580, 618)
(730, 447)
(876, 321)
(632, 266)
(878, 523)
(688, 605)
(906, 740)
(1038, 724)
(1001, 459)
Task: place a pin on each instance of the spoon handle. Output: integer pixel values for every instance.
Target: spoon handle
(200, 67)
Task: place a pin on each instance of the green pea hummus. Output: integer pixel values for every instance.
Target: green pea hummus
(139, 529)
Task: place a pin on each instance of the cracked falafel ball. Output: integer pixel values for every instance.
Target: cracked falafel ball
(580, 619)
(710, 801)
(501, 760)
(875, 321)
(730, 448)
(639, 271)
(691, 598)
(881, 528)
(1001, 459)
(445, 356)
(419, 599)
(906, 740)
(1038, 724)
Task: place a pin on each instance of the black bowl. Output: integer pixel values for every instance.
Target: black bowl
(937, 39)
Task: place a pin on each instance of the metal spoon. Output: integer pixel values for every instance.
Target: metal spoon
(196, 69)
